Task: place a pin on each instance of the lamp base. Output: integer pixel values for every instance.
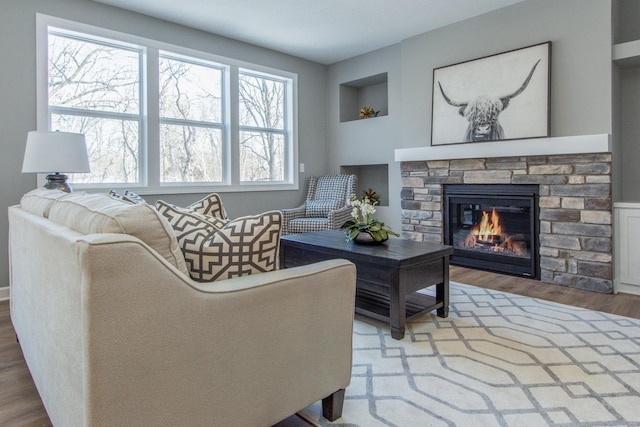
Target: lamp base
(58, 181)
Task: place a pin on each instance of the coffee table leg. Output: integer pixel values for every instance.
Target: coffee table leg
(442, 290)
(397, 334)
(442, 294)
(397, 308)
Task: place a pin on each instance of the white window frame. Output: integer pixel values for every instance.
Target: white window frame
(149, 133)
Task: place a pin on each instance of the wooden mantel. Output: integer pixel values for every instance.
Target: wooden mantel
(580, 144)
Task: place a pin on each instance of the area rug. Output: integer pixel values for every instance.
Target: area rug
(498, 360)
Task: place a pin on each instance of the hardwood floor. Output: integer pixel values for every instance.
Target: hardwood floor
(20, 404)
(620, 304)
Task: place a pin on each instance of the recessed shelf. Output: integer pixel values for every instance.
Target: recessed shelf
(369, 91)
(375, 177)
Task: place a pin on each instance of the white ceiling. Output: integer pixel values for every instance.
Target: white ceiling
(324, 31)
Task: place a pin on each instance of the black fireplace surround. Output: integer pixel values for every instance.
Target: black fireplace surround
(493, 227)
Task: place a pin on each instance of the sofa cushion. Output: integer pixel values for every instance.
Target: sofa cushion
(40, 200)
(210, 205)
(243, 246)
(101, 213)
(320, 208)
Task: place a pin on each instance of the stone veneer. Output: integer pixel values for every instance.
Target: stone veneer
(575, 208)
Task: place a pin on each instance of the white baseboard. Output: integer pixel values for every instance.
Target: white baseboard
(4, 293)
(628, 289)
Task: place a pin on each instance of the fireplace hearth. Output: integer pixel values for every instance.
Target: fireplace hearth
(493, 227)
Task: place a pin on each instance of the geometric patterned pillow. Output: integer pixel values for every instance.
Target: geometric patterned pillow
(246, 245)
(320, 208)
(210, 205)
(182, 219)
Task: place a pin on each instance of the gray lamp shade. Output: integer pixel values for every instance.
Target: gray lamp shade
(48, 152)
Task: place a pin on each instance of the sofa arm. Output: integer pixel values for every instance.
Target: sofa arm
(164, 350)
(289, 214)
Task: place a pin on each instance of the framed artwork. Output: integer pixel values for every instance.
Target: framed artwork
(498, 97)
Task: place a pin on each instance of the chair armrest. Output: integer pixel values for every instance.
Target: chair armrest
(289, 214)
(339, 217)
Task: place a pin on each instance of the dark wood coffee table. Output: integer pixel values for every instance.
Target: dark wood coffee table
(388, 275)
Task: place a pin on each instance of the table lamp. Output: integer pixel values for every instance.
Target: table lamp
(48, 152)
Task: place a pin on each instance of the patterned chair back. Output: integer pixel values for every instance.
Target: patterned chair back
(332, 187)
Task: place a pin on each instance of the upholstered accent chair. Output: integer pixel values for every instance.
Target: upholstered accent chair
(326, 207)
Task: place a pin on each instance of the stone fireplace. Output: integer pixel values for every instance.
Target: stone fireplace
(575, 208)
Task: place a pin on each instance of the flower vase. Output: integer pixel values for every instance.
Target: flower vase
(364, 238)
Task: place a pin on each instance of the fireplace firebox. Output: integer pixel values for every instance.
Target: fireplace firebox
(493, 227)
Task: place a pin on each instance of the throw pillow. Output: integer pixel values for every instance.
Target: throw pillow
(244, 246)
(210, 205)
(185, 219)
(320, 208)
(132, 197)
(127, 196)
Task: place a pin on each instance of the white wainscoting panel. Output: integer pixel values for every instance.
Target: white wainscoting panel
(627, 248)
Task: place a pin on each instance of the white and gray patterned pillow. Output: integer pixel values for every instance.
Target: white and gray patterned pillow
(244, 246)
(320, 208)
(132, 197)
(210, 205)
(127, 196)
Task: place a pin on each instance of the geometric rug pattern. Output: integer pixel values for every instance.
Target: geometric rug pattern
(499, 359)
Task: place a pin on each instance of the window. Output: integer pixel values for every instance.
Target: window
(94, 89)
(262, 127)
(162, 118)
(191, 128)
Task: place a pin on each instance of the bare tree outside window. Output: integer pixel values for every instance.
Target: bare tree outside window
(158, 115)
(262, 128)
(94, 89)
(190, 121)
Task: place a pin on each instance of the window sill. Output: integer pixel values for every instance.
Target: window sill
(187, 189)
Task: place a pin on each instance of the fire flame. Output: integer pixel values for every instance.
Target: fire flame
(489, 235)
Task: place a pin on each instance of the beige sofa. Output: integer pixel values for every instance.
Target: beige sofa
(115, 333)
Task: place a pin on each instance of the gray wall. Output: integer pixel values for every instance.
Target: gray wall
(371, 141)
(18, 98)
(581, 78)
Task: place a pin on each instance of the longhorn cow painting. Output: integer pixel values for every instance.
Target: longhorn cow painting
(503, 96)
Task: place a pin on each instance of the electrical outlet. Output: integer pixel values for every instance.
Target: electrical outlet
(301, 167)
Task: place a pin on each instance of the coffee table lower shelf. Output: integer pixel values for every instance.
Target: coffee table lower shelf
(377, 306)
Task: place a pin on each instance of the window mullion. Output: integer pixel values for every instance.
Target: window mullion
(152, 118)
(233, 158)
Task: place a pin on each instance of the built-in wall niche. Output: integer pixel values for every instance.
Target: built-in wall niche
(369, 91)
(375, 177)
